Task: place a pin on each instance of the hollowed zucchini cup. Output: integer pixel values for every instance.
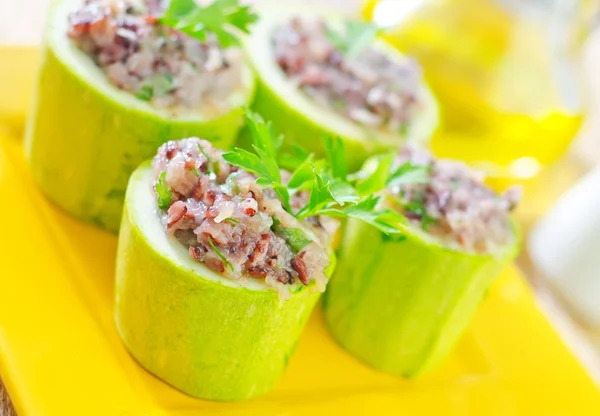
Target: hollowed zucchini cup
(206, 335)
(85, 136)
(304, 122)
(401, 304)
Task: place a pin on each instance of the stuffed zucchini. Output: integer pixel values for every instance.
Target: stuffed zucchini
(115, 83)
(318, 78)
(400, 304)
(215, 305)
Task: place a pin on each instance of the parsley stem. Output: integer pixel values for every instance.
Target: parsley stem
(221, 256)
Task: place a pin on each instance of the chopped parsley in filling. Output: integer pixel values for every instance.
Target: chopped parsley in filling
(449, 200)
(233, 225)
(156, 63)
(366, 86)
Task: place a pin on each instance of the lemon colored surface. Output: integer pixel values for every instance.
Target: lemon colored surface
(508, 91)
(60, 353)
(18, 67)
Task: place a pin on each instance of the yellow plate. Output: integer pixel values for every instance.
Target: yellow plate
(60, 353)
(18, 65)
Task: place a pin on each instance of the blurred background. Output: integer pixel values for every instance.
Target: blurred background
(519, 90)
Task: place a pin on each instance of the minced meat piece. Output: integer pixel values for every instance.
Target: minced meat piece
(156, 63)
(454, 204)
(227, 221)
(370, 89)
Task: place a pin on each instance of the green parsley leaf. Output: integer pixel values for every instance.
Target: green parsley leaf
(320, 196)
(409, 173)
(295, 237)
(284, 195)
(145, 93)
(231, 220)
(336, 155)
(377, 180)
(418, 208)
(415, 207)
(162, 84)
(263, 162)
(224, 18)
(163, 192)
(221, 256)
(302, 177)
(209, 162)
(195, 172)
(404, 129)
(204, 153)
(388, 221)
(427, 220)
(327, 194)
(343, 193)
(354, 38)
(263, 135)
(331, 193)
(266, 178)
(179, 8)
(383, 176)
(394, 238)
(293, 157)
(247, 161)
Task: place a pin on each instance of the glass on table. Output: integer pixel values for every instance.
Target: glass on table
(506, 72)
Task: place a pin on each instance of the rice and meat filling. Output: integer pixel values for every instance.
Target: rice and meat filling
(454, 204)
(231, 224)
(370, 89)
(156, 63)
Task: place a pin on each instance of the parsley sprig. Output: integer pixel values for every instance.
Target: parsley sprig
(330, 191)
(163, 192)
(221, 255)
(224, 18)
(354, 37)
(296, 237)
(418, 208)
(384, 175)
(263, 161)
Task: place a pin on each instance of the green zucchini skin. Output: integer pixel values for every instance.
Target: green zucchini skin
(400, 306)
(208, 339)
(300, 130)
(82, 143)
